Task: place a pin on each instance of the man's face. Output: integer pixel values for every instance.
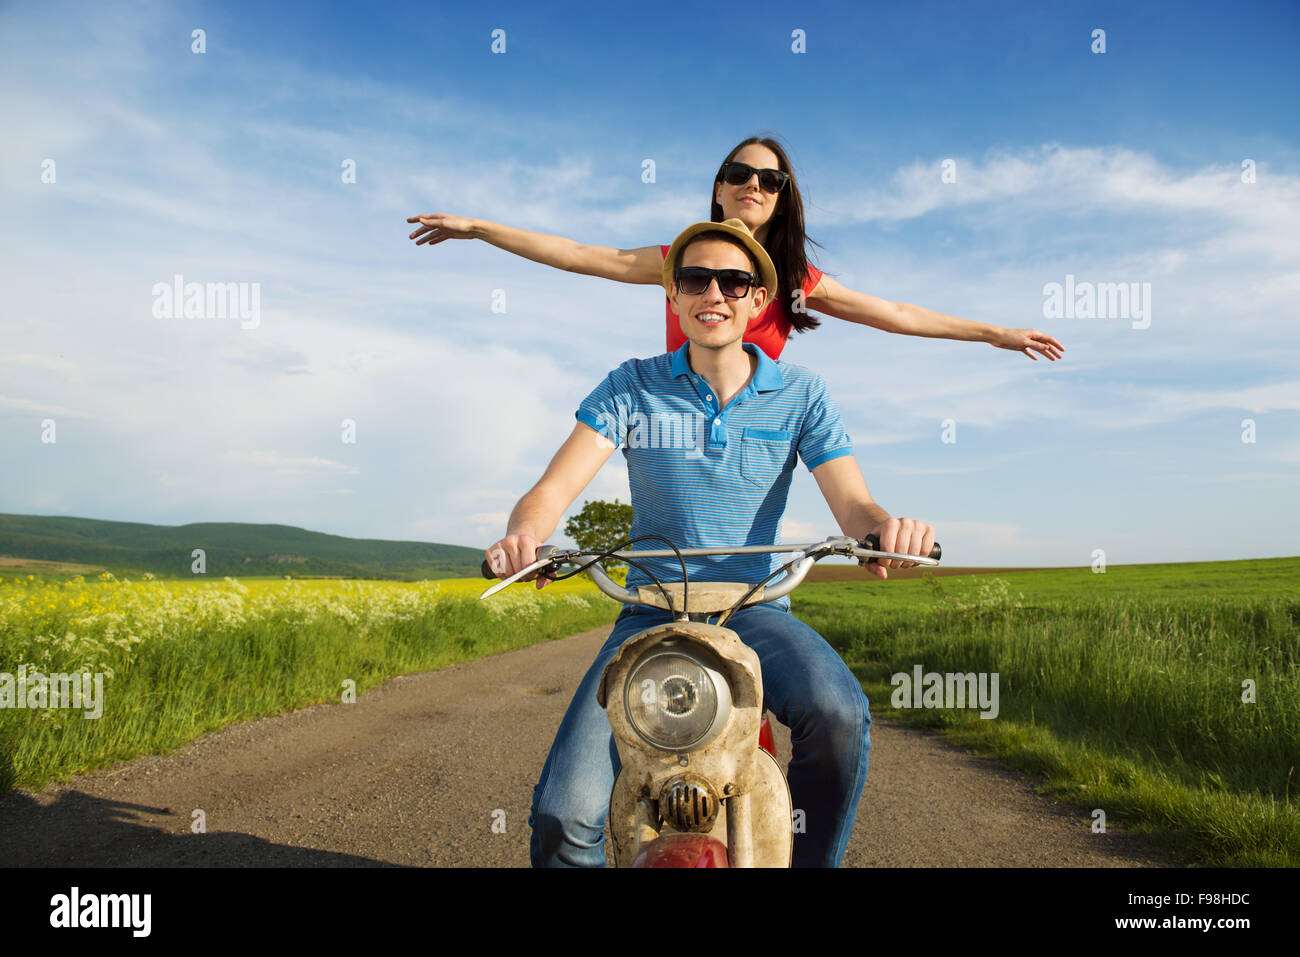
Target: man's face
(710, 319)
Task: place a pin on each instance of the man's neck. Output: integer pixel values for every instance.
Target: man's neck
(726, 370)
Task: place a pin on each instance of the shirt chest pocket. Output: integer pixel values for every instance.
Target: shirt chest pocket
(763, 454)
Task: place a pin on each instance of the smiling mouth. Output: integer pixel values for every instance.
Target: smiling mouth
(711, 318)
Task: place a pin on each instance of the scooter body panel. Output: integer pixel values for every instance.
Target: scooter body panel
(726, 769)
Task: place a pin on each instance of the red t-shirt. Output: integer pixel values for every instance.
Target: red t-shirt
(768, 330)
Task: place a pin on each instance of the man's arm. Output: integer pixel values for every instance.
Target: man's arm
(845, 491)
(535, 516)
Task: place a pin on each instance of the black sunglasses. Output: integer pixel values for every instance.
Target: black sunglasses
(732, 283)
(769, 180)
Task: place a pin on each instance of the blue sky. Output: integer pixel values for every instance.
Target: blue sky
(1123, 166)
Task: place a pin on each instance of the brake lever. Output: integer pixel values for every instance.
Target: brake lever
(546, 555)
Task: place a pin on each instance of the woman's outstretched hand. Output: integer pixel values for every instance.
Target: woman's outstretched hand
(1023, 340)
(435, 227)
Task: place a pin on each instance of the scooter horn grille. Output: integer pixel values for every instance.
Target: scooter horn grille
(689, 804)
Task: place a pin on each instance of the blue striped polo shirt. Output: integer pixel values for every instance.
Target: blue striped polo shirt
(703, 476)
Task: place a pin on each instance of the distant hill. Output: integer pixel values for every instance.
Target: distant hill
(231, 548)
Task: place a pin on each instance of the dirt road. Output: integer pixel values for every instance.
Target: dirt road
(419, 771)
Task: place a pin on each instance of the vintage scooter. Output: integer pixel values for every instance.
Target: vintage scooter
(699, 785)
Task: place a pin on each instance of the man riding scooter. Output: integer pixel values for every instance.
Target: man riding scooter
(729, 486)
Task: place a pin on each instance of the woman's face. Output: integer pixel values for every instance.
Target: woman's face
(747, 202)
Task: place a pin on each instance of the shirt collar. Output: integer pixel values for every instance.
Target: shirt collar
(767, 377)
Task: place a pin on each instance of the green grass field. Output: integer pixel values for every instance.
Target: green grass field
(181, 659)
(1124, 690)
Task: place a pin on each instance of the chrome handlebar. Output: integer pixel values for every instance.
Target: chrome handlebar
(806, 556)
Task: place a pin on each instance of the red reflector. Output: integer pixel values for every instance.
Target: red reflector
(765, 739)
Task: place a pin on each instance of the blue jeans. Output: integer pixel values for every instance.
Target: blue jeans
(805, 684)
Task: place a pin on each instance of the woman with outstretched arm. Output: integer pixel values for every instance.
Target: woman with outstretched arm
(756, 185)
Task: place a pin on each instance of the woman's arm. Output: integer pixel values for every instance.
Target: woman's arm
(836, 300)
(642, 265)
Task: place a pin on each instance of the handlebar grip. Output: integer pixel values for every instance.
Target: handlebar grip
(543, 551)
(873, 542)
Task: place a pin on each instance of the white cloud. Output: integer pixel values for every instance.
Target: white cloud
(36, 407)
(796, 531)
(290, 464)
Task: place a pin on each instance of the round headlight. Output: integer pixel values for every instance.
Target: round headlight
(674, 700)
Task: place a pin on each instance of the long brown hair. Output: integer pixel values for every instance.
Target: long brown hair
(787, 242)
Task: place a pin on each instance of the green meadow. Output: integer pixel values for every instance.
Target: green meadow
(181, 659)
(1167, 696)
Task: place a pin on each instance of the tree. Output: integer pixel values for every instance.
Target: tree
(600, 526)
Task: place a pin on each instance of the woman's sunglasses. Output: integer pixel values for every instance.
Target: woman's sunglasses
(732, 283)
(769, 180)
